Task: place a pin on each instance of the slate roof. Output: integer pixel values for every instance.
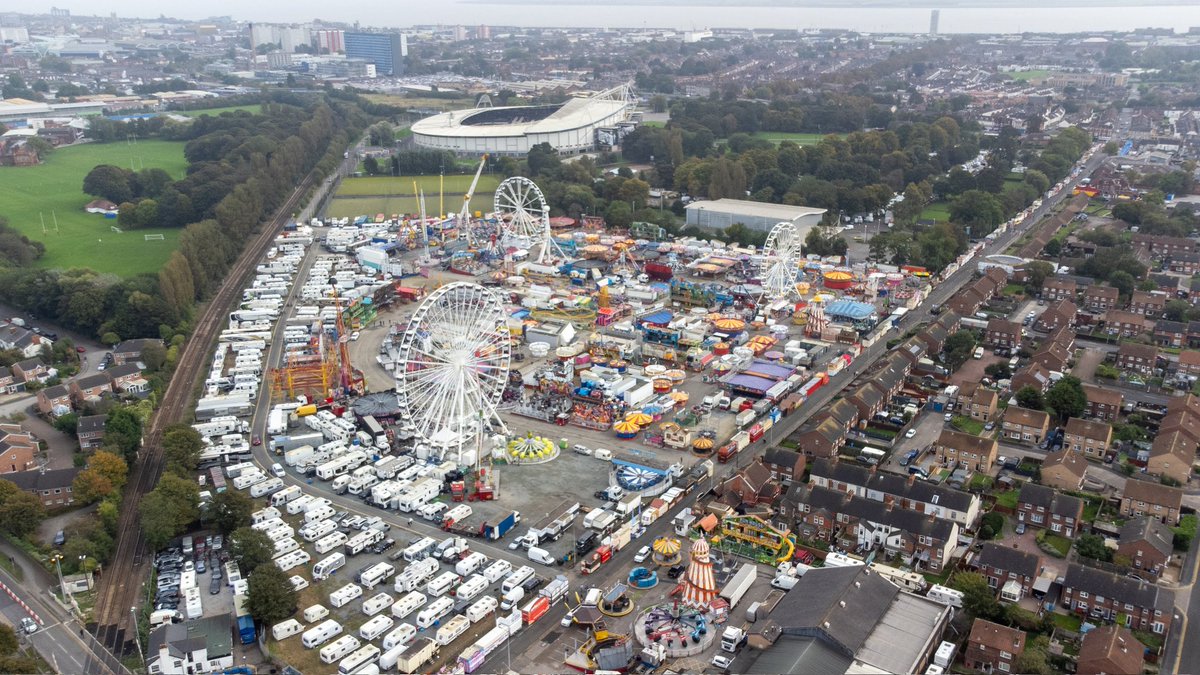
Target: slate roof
(1010, 559)
(1149, 530)
(1119, 588)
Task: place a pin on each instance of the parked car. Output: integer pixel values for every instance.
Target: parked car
(214, 586)
(675, 571)
(722, 662)
(910, 433)
(642, 554)
(383, 545)
(1021, 528)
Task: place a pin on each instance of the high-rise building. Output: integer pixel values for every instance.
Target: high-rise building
(934, 14)
(385, 50)
(460, 33)
(330, 40)
(484, 32)
(286, 37)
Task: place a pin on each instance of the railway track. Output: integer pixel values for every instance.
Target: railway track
(122, 585)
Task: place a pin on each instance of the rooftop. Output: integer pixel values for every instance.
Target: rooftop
(760, 209)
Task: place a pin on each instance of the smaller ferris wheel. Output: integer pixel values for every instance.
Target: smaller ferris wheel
(781, 261)
(524, 217)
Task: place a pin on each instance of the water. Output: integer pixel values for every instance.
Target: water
(704, 14)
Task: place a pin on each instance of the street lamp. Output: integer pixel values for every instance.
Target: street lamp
(62, 587)
(136, 634)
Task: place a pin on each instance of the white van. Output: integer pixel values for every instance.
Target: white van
(315, 613)
(512, 598)
(330, 542)
(470, 564)
(376, 604)
(449, 631)
(482, 607)
(328, 565)
(441, 584)
(540, 555)
(408, 604)
(602, 454)
(400, 635)
(434, 612)
(497, 571)
(286, 629)
(318, 634)
(339, 649)
(345, 595)
(471, 588)
(514, 580)
(375, 627)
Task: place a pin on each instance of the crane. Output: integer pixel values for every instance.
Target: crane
(464, 216)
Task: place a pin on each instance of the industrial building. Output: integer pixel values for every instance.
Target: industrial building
(385, 50)
(760, 216)
(578, 125)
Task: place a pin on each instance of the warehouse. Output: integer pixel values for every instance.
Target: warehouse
(760, 216)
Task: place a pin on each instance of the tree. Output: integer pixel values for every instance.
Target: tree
(1053, 248)
(979, 599)
(1030, 398)
(542, 158)
(167, 510)
(250, 548)
(123, 430)
(111, 466)
(1111, 148)
(229, 510)
(20, 512)
(90, 486)
(154, 355)
(8, 641)
(978, 211)
(1033, 659)
(1176, 310)
(618, 215)
(1092, 546)
(995, 521)
(271, 597)
(371, 165)
(66, 423)
(1067, 398)
(1123, 281)
(1036, 273)
(181, 447)
(109, 182)
(958, 348)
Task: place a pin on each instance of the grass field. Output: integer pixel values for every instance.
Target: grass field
(253, 107)
(797, 138)
(54, 190)
(1026, 75)
(384, 194)
(938, 211)
(654, 123)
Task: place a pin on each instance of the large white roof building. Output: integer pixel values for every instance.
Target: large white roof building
(569, 127)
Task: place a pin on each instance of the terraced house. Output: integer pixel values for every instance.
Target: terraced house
(1090, 438)
(1040, 506)
(921, 496)
(1097, 594)
(955, 448)
(1024, 425)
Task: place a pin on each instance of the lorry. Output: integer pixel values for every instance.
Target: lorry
(739, 584)
(735, 445)
(492, 532)
(555, 590)
(629, 504)
(732, 638)
(417, 654)
(596, 559)
(245, 622)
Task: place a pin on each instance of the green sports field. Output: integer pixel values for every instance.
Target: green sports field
(254, 108)
(383, 194)
(53, 191)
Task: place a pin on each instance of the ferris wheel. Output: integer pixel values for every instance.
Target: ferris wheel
(454, 360)
(781, 262)
(524, 215)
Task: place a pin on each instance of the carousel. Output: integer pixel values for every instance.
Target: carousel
(530, 449)
(667, 551)
(626, 430)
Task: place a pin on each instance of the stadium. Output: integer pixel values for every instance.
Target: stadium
(578, 125)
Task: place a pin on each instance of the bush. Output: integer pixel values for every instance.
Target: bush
(994, 522)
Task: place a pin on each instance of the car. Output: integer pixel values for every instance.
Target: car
(102, 366)
(256, 440)
(200, 566)
(218, 542)
(581, 449)
(948, 416)
(80, 350)
(532, 584)
(675, 571)
(383, 546)
(352, 522)
(989, 426)
(910, 433)
(354, 336)
(189, 566)
(569, 618)
(721, 661)
(338, 516)
(277, 469)
(1021, 528)
(216, 572)
(214, 586)
(60, 538)
(642, 554)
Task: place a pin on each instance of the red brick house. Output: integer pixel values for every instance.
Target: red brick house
(1100, 299)
(54, 400)
(1110, 650)
(973, 452)
(1008, 570)
(1124, 324)
(1040, 506)
(1148, 304)
(1135, 358)
(1143, 498)
(992, 647)
(1148, 544)
(1056, 288)
(1103, 403)
(1097, 594)
(1002, 333)
(1024, 425)
(785, 465)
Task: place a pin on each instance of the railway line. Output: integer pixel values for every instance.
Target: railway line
(122, 585)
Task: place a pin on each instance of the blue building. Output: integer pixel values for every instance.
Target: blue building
(385, 50)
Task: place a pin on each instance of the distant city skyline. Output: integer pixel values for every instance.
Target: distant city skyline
(1003, 16)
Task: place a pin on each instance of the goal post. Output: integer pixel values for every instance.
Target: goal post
(153, 237)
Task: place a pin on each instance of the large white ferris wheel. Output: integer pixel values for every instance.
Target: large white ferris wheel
(782, 257)
(454, 360)
(525, 216)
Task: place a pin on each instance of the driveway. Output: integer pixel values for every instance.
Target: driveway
(1028, 543)
(972, 370)
(1086, 362)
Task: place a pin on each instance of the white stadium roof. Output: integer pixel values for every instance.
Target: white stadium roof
(574, 114)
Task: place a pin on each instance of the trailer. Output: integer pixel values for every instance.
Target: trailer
(492, 532)
(735, 445)
(217, 479)
(739, 584)
(245, 622)
(417, 654)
